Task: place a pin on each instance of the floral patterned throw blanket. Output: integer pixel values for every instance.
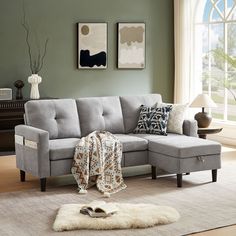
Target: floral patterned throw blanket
(97, 160)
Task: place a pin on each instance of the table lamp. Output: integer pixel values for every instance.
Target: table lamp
(203, 118)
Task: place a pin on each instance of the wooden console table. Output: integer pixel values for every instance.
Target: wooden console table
(11, 114)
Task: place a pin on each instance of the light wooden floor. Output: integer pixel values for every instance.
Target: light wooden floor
(9, 182)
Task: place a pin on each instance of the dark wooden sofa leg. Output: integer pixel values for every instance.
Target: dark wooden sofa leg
(214, 175)
(43, 184)
(22, 176)
(179, 180)
(154, 172)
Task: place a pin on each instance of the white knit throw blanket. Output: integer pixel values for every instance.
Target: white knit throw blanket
(97, 160)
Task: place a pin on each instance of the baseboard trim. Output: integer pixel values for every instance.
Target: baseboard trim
(10, 153)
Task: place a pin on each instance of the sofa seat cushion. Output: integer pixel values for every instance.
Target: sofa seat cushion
(132, 143)
(154, 137)
(183, 146)
(60, 149)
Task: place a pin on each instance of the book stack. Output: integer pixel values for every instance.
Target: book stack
(99, 209)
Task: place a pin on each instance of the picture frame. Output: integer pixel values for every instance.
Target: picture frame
(92, 45)
(131, 45)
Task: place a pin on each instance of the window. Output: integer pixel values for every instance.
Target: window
(215, 54)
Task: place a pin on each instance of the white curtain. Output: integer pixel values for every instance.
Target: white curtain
(184, 90)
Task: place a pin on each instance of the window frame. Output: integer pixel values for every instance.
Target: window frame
(225, 20)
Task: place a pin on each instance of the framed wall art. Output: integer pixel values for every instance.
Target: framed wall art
(131, 45)
(92, 45)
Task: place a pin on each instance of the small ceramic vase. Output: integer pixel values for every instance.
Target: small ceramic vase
(34, 80)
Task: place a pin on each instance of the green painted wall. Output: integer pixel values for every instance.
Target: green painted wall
(57, 19)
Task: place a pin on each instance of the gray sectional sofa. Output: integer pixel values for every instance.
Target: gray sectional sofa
(45, 144)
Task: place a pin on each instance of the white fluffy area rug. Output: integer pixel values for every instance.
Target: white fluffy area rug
(128, 216)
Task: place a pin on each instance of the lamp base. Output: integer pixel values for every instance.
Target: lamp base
(203, 119)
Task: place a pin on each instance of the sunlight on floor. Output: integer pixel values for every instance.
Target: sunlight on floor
(228, 154)
(228, 149)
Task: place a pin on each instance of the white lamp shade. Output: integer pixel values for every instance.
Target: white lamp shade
(203, 100)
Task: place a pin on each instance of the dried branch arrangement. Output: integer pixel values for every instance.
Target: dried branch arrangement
(36, 62)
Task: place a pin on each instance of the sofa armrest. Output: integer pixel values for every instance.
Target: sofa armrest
(190, 128)
(32, 150)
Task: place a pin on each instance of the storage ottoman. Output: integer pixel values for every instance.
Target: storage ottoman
(184, 155)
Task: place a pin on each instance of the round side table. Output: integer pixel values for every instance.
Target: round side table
(202, 132)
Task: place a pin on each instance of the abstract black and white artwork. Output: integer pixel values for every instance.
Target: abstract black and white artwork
(92, 45)
(131, 45)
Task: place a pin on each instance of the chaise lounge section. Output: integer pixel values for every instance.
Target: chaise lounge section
(45, 144)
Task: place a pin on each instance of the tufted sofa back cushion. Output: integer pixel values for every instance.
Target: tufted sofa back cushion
(131, 108)
(100, 113)
(59, 117)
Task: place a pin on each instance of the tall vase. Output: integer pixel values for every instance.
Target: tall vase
(34, 80)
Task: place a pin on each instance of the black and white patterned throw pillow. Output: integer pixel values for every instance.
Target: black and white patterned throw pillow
(153, 120)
